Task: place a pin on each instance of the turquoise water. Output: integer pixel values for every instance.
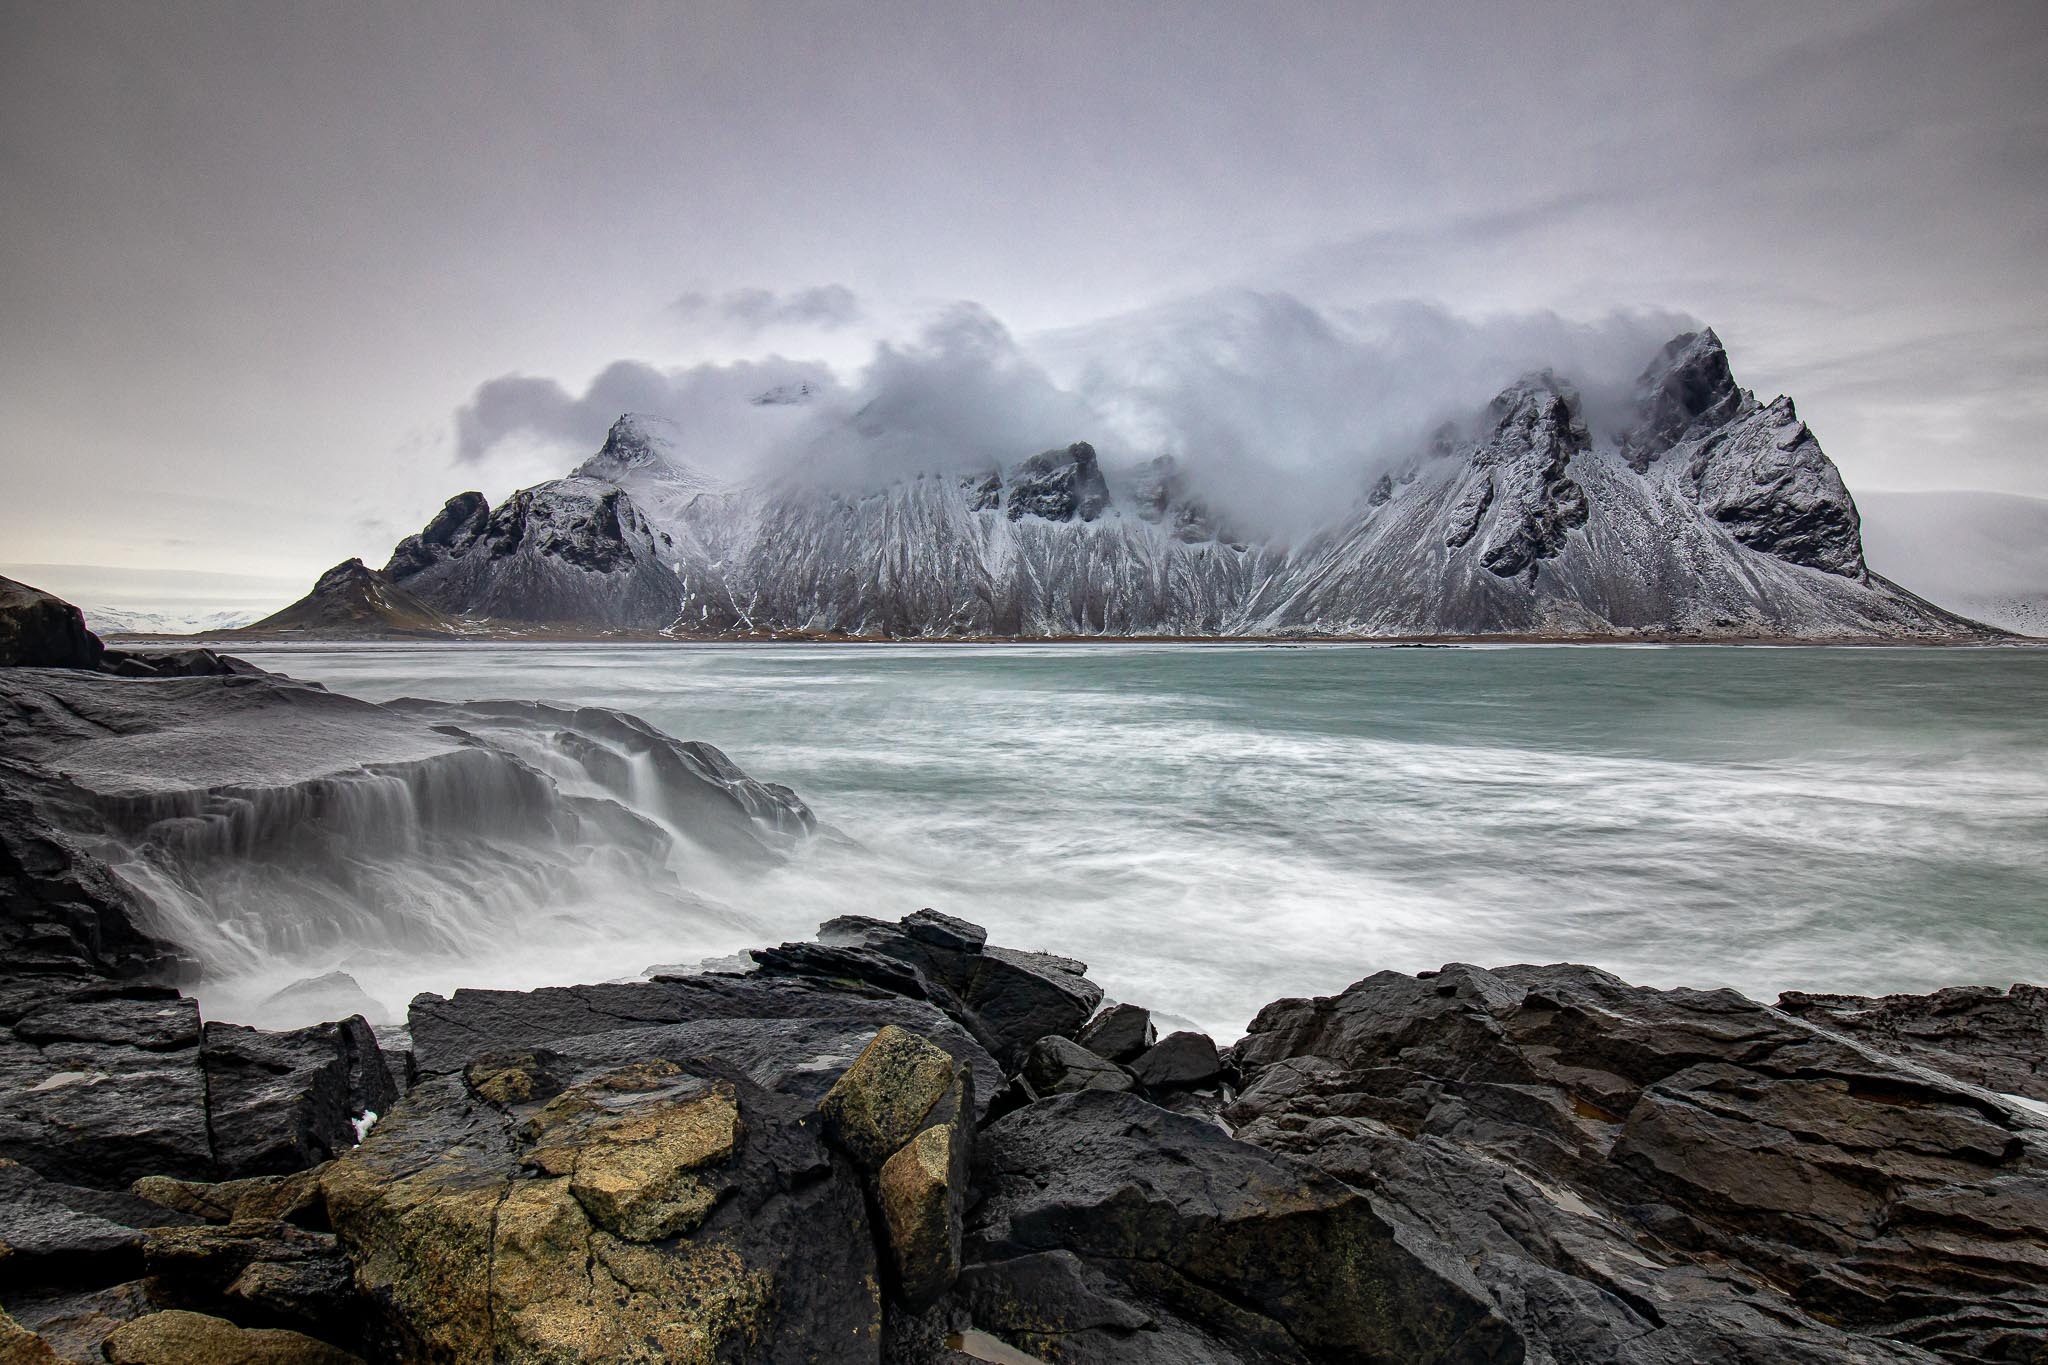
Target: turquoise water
(1215, 826)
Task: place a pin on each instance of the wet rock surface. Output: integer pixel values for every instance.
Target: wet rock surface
(1990, 1037)
(1629, 1174)
(281, 1102)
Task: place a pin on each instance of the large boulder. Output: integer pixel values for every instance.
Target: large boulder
(791, 1035)
(1059, 1066)
(904, 1111)
(1006, 998)
(1640, 1175)
(282, 1102)
(1111, 1230)
(545, 1207)
(1120, 1033)
(38, 630)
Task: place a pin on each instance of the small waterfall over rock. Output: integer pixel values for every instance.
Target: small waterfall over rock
(277, 832)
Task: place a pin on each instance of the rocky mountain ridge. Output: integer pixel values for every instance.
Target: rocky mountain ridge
(1705, 514)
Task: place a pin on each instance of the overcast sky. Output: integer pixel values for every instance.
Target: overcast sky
(255, 258)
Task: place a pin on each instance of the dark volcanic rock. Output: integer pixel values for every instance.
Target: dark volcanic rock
(64, 918)
(103, 1084)
(258, 1273)
(1179, 1061)
(1059, 1066)
(1980, 1034)
(1640, 1175)
(1119, 1033)
(944, 931)
(56, 1233)
(1059, 485)
(1112, 1230)
(1008, 999)
(281, 1102)
(789, 1035)
(38, 630)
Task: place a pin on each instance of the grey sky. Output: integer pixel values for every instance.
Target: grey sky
(255, 258)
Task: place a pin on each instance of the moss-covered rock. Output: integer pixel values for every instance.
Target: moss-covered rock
(19, 1346)
(546, 1210)
(884, 1098)
(293, 1198)
(176, 1337)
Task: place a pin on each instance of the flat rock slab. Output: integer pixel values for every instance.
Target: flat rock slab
(789, 1035)
(106, 1089)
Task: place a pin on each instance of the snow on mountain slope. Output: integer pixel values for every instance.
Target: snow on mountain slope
(572, 551)
(1699, 512)
(1982, 554)
(121, 621)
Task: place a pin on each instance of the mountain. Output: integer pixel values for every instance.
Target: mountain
(1697, 512)
(354, 600)
(574, 551)
(1982, 554)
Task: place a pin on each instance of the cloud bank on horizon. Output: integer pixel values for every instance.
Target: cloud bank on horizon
(1273, 404)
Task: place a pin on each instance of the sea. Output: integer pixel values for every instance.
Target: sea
(1214, 826)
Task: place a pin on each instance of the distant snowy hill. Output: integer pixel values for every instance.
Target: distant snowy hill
(1982, 554)
(117, 621)
(1697, 511)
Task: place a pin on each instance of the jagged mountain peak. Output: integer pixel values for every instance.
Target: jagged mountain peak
(1709, 515)
(639, 438)
(1059, 485)
(1687, 389)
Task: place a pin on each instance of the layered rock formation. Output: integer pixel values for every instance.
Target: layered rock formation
(1699, 512)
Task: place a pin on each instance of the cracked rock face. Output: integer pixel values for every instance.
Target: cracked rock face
(659, 1206)
(1630, 1174)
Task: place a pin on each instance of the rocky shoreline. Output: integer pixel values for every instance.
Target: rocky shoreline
(899, 1142)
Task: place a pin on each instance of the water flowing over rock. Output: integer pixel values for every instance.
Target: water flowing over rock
(1696, 513)
(256, 822)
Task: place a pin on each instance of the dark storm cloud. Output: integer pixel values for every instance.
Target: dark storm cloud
(751, 311)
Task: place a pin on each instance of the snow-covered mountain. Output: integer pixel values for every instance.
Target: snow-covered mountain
(1698, 512)
(123, 621)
